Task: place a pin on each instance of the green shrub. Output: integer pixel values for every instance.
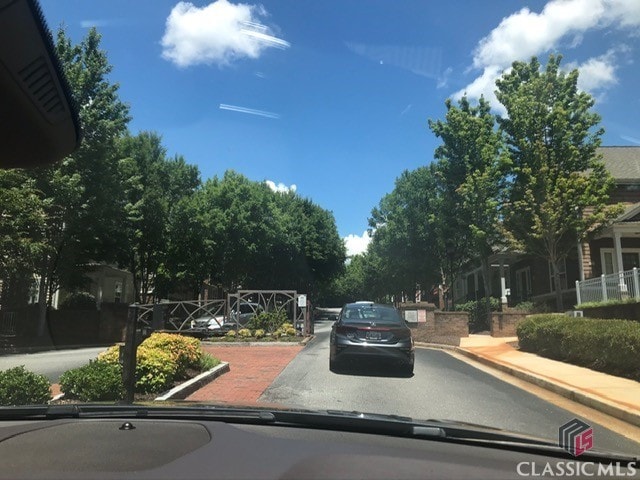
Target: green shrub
(110, 355)
(19, 386)
(259, 333)
(268, 321)
(231, 334)
(244, 333)
(611, 346)
(185, 351)
(525, 307)
(477, 309)
(291, 332)
(155, 368)
(96, 381)
(78, 301)
(207, 362)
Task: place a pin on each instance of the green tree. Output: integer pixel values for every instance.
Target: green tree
(472, 166)
(347, 287)
(155, 190)
(559, 186)
(22, 224)
(81, 218)
(263, 239)
(404, 236)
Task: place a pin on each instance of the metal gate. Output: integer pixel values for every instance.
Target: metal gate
(237, 309)
(178, 316)
(255, 301)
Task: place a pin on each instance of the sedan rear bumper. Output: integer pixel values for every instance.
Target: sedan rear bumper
(401, 352)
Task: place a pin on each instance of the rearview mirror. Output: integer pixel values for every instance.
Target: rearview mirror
(39, 121)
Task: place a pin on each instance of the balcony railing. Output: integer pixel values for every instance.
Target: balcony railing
(615, 286)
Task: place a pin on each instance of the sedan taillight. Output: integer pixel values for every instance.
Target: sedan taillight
(348, 332)
(401, 333)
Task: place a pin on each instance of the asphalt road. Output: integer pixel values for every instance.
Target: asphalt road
(51, 364)
(442, 387)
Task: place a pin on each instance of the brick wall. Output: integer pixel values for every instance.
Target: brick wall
(444, 327)
(503, 324)
(423, 311)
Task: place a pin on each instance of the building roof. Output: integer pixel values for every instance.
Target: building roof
(622, 162)
(631, 214)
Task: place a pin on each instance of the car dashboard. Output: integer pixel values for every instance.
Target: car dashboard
(166, 448)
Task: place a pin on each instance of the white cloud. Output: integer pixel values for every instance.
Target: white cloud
(217, 33)
(525, 34)
(281, 187)
(597, 72)
(356, 244)
(484, 85)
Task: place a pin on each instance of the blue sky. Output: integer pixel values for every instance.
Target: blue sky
(332, 97)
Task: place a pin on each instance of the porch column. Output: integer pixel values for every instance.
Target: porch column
(617, 246)
(503, 285)
(580, 262)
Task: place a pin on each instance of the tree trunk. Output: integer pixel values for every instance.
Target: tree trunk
(486, 278)
(558, 286)
(42, 306)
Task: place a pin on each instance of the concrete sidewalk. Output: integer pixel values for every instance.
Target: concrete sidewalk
(615, 396)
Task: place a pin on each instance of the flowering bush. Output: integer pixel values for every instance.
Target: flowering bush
(185, 351)
(155, 368)
(244, 333)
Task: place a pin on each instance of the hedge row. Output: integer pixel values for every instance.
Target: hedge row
(610, 346)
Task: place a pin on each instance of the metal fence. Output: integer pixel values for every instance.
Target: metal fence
(197, 316)
(178, 316)
(615, 286)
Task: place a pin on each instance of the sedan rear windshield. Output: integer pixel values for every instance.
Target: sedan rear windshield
(371, 313)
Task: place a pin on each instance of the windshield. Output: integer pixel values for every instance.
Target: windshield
(370, 313)
(467, 171)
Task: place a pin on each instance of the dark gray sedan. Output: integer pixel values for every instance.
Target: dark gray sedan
(370, 330)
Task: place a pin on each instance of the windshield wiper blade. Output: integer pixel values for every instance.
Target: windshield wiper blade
(447, 431)
(54, 412)
(39, 412)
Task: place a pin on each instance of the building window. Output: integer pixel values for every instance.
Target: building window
(563, 276)
(117, 292)
(523, 283)
(630, 259)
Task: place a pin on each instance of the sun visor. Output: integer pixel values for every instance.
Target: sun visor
(38, 120)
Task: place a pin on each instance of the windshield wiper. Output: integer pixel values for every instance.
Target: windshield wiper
(448, 431)
(55, 412)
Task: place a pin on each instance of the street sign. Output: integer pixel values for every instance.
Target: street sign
(302, 301)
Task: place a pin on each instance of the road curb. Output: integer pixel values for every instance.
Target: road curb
(307, 340)
(440, 346)
(187, 388)
(571, 393)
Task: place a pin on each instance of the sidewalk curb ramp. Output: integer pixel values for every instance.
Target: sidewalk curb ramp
(566, 391)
